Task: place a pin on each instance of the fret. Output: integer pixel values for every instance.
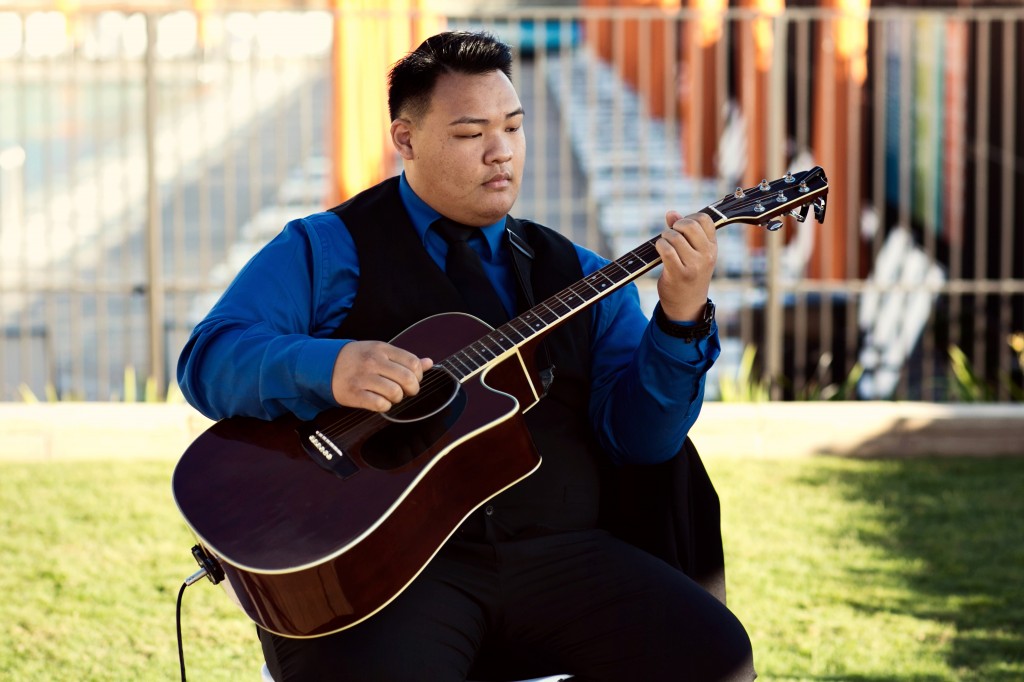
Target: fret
(632, 262)
(559, 307)
(570, 298)
(616, 277)
(451, 368)
(600, 280)
(521, 327)
(587, 295)
(491, 345)
(466, 368)
(533, 321)
(483, 350)
(481, 358)
(545, 313)
(500, 339)
(636, 260)
(510, 327)
(471, 363)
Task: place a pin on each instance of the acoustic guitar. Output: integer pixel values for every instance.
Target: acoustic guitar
(317, 525)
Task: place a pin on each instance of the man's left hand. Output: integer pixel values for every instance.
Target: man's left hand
(689, 251)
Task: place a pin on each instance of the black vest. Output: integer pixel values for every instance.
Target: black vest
(399, 284)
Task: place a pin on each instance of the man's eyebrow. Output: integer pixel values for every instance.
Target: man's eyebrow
(464, 120)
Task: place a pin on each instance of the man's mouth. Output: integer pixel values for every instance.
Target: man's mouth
(499, 181)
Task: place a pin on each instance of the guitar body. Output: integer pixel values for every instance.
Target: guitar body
(308, 549)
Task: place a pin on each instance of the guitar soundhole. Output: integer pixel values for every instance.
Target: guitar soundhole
(437, 389)
(416, 424)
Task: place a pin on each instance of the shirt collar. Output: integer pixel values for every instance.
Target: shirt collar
(423, 215)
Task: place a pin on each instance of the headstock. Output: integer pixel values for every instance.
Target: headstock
(794, 193)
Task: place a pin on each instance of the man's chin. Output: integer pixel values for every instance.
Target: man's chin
(498, 207)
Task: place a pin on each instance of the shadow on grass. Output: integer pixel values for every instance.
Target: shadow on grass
(872, 678)
(957, 525)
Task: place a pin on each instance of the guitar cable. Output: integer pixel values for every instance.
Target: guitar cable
(211, 570)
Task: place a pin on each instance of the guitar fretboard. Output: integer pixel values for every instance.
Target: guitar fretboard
(547, 314)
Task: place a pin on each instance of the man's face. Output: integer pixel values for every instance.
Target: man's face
(465, 155)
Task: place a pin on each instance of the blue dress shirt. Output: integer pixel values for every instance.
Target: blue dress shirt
(264, 349)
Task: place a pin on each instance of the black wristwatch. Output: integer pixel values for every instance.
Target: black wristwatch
(686, 332)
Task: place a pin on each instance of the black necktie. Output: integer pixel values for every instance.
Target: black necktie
(467, 273)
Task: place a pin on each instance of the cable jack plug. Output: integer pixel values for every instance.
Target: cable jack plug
(208, 567)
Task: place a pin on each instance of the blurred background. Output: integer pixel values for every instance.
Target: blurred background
(148, 149)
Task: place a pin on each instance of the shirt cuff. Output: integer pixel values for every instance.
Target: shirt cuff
(314, 368)
(701, 353)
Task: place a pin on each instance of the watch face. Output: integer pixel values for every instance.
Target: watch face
(709, 311)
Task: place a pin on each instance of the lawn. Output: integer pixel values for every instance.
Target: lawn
(841, 570)
(877, 570)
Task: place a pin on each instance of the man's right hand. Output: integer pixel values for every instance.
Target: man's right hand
(375, 375)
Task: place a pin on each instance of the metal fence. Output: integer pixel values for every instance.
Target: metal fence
(145, 156)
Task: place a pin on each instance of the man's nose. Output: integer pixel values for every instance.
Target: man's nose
(500, 151)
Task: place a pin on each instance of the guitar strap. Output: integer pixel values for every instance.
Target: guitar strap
(522, 263)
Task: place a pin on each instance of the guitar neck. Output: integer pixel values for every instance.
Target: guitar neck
(548, 314)
(756, 205)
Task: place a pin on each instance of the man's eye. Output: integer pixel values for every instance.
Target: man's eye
(468, 136)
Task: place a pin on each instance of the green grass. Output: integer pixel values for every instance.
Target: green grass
(877, 570)
(94, 554)
(840, 569)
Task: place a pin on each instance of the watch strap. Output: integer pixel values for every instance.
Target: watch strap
(687, 332)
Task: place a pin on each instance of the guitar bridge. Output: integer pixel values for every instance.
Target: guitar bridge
(325, 452)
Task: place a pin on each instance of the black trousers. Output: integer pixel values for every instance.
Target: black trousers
(579, 602)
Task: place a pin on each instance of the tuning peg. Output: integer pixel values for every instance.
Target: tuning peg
(819, 210)
(789, 177)
(739, 193)
(803, 187)
(759, 207)
(774, 225)
(764, 185)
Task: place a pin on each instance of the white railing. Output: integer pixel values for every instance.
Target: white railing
(161, 148)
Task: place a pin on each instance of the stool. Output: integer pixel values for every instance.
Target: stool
(265, 676)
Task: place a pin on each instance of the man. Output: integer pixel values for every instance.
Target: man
(529, 584)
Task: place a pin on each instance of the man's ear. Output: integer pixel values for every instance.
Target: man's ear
(401, 137)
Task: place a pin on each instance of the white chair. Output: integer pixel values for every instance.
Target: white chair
(265, 676)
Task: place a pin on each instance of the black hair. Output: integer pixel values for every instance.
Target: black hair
(412, 79)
